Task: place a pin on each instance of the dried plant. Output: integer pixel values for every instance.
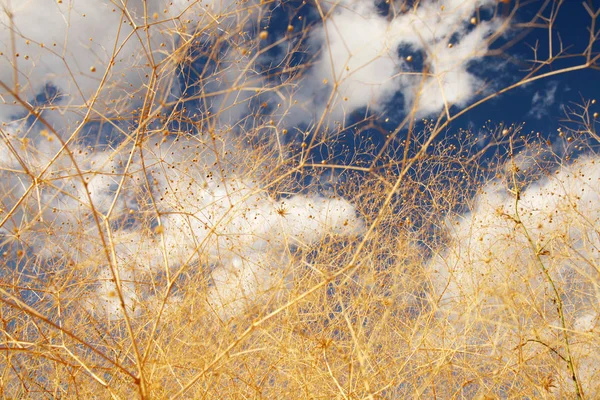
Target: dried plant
(208, 200)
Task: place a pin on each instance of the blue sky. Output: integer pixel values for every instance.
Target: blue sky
(541, 105)
(373, 59)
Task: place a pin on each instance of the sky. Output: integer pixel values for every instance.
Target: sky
(540, 105)
(373, 57)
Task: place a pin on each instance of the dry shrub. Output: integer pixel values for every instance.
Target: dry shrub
(234, 235)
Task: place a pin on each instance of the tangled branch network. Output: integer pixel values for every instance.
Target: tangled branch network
(153, 148)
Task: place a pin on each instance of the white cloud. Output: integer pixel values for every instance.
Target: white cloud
(543, 100)
(208, 214)
(557, 211)
(106, 302)
(71, 44)
(490, 267)
(359, 53)
(233, 224)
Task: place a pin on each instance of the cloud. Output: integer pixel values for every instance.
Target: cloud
(206, 214)
(543, 100)
(556, 212)
(360, 55)
(235, 226)
(71, 45)
(497, 254)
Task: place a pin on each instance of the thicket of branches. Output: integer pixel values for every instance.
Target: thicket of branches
(211, 201)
